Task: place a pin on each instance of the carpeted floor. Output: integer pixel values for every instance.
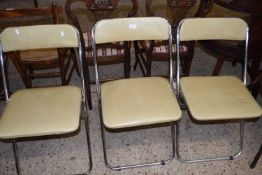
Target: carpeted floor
(68, 154)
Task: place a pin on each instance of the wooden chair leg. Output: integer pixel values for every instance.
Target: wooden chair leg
(136, 54)
(189, 58)
(127, 62)
(87, 82)
(257, 157)
(218, 66)
(148, 63)
(36, 3)
(73, 56)
(61, 62)
(21, 71)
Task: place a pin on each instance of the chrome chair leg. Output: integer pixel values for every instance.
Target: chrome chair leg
(118, 168)
(17, 163)
(85, 118)
(214, 158)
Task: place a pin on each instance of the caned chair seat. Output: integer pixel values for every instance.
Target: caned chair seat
(41, 111)
(37, 55)
(152, 102)
(160, 48)
(105, 52)
(225, 97)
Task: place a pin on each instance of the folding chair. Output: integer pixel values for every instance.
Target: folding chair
(42, 111)
(216, 98)
(135, 102)
(40, 63)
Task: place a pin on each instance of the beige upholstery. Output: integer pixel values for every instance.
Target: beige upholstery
(41, 111)
(213, 28)
(52, 36)
(218, 98)
(131, 29)
(138, 101)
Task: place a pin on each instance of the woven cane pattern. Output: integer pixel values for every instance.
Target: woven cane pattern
(37, 55)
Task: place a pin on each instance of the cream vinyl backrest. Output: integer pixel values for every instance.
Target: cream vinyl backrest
(52, 36)
(131, 29)
(213, 29)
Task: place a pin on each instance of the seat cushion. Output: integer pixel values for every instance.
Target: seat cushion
(218, 98)
(138, 101)
(41, 111)
(105, 52)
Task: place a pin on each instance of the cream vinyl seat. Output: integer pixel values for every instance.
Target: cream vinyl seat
(210, 98)
(41, 111)
(153, 101)
(140, 101)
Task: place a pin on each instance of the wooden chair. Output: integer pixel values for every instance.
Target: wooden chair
(135, 102)
(39, 63)
(109, 53)
(216, 98)
(46, 111)
(148, 51)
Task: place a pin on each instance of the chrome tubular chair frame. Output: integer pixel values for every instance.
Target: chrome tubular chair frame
(83, 105)
(238, 153)
(103, 127)
(231, 157)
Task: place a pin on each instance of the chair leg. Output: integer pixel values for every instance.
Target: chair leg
(16, 157)
(136, 54)
(87, 83)
(257, 157)
(88, 142)
(188, 58)
(17, 164)
(118, 168)
(214, 158)
(218, 66)
(73, 56)
(140, 60)
(127, 62)
(36, 3)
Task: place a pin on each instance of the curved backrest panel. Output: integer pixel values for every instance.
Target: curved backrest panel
(131, 29)
(213, 29)
(38, 37)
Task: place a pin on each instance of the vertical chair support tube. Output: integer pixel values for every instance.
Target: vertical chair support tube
(246, 58)
(80, 65)
(98, 90)
(84, 99)
(3, 74)
(170, 56)
(178, 60)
